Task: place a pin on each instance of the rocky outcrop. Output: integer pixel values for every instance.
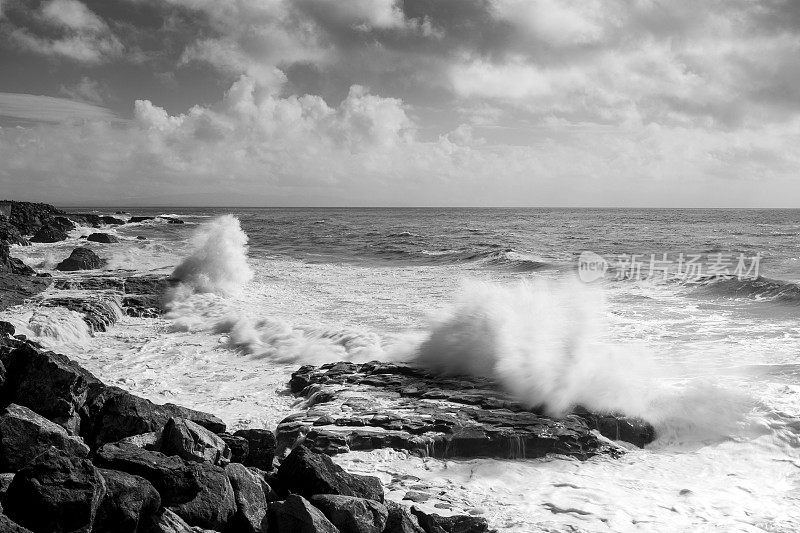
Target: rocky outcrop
(352, 515)
(387, 405)
(172, 220)
(296, 514)
(28, 217)
(102, 237)
(111, 221)
(250, 497)
(136, 219)
(55, 493)
(193, 442)
(129, 505)
(49, 234)
(261, 445)
(401, 520)
(214, 505)
(11, 234)
(80, 259)
(99, 311)
(434, 523)
(141, 296)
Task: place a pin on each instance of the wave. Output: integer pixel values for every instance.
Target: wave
(509, 259)
(750, 288)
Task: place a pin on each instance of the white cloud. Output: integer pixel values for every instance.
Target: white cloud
(73, 15)
(32, 108)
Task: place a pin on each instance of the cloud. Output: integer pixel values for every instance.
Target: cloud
(26, 108)
(86, 90)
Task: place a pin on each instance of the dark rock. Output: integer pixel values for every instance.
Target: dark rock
(10, 234)
(147, 306)
(434, 523)
(16, 288)
(24, 435)
(48, 383)
(193, 442)
(102, 237)
(140, 219)
(176, 481)
(141, 238)
(28, 216)
(100, 311)
(89, 219)
(9, 526)
(307, 473)
(49, 234)
(7, 328)
(251, 502)
(169, 522)
(129, 505)
(261, 447)
(55, 493)
(238, 445)
(80, 259)
(416, 496)
(352, 515)
(62, 223)
(297, 515)
(114, 221)
(400, 519)
(171, 220)
(214, 506)
(12, 265)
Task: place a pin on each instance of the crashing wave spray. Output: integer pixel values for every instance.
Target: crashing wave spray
(218, 263)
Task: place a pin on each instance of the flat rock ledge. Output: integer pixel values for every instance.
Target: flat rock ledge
(354, 407)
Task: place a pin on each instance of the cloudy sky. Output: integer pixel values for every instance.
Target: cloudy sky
(401, 102)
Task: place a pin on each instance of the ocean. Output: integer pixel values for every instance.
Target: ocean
(687, 318)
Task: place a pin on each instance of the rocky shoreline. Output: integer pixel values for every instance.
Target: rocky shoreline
(79, 455)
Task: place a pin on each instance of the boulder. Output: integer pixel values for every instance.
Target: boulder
(10, 234)
(352, 515)
(28, 216)
(9, 526)
(102, 237)
(260, 446)
(62, 223)
(175, 480)
(193, 442)
(297, 515)
(434, 523)
(129, 505)
(400, 519)
(80, 259)
(251, 502)
(16, 288)
(113, 221)
(49, 234)
(214, 506)
(239, 447)
(49, 383)
(169, 522)
(89, 219)
(25, 435)
(307, 473)
(172, 220)
(55, 493)
(139, 219)
(7, 328)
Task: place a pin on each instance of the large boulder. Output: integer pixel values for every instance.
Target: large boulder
(352, 515)
(251, 502)
(175, 480)
(112, 221)
(239, 447)
(297, 515)
(434, 523)
(169, 522)
(49, 383)
(80, 259)
(49, 234)
(260, 447)
(400, 519)
(102, 237)
(7, 328)
(193, 442)
(135, 219)
(62, 223)
(214, 506)
(129, 506)
(307, 473)
(25, 435)
(55, 493)
(12, 264)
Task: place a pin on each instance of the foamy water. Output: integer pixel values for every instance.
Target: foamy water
(716, 373)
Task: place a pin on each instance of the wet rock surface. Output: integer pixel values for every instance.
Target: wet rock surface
(80, 259)
(368, 406)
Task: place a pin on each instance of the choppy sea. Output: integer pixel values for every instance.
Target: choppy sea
(692, 321)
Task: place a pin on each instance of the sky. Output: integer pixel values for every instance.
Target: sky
(609, 103)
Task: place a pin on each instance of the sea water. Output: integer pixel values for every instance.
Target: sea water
(713, 362)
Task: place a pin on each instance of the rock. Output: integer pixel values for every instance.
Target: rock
(49, 383)
(400, 520)
(100, 311)
(116, 414)
(5, 482)
(239, 447)
(129, 505)
(193, 442)
(214, 506)
(89, 219)
(80, 259)
(12, 265)
(307, 473)
(16, 288)
(297, 515)
(251, 502)
(148, 306)
(9, 526)
(27, 217)
(416, 496)
(55, 493)
(175, 480)
(49, 234)
(24, 435)
(102, 237)
(434, 523)
(7, 328)
(352, 515)
(139, 219)
(10, 234)
(141, 238)
(62, 223)
(260, 446)
(113, 221)
(169, 522)
(172, 220)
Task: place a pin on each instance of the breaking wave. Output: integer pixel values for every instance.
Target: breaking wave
(751, 288)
